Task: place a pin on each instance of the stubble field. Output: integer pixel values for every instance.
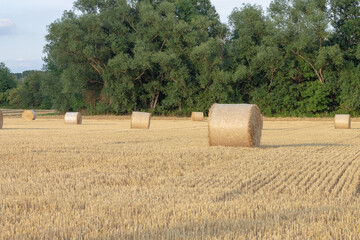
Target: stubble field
(103, 180)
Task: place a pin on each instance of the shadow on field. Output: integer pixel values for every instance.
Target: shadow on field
(116, 143)
(98, 124)
(144, 141)
(206, 229)
(306, 145)
(27, 129)
(275, 129)
(213, 228)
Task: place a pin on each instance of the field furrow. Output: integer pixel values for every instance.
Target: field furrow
(103, 180)
(309, 176)
(346, 181)
(292, 178)
(323, 177)
(339, 177)
(334, 178)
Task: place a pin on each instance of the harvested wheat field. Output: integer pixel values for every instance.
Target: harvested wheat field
(103, 180)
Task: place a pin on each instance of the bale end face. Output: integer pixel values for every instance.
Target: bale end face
(140, 120)
(29, 115)
(197, 116)
(236, 125)
(73, 118)
(342, 121)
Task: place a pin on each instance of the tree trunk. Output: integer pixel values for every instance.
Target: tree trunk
(156, 97)
(318, 74)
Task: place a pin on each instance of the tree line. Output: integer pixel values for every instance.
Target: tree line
(299, 58)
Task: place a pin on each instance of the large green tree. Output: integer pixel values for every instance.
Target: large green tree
(303, 27)
(7, 82)
(38, 90)
(137, 55)
(249, 29)
(175, 56)
(345, 16)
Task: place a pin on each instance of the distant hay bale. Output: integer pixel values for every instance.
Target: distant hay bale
(1, 119)
(197, 116)
(236, 125)
(342, 121)
(140, 120)
(73, 118)
(29, 115)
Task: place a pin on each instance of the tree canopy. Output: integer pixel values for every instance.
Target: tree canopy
(7, 82)
(175, 56)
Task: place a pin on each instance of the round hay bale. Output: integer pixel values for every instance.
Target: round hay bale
(236, 125)
(1, 119)
(342, 121)
(29, 115)
(197, 116)
(73, 118)
(140, 120)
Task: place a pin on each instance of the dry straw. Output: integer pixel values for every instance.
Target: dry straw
(140, 120)
(73, 118)
(1, 119)
(197, 116)
(342, 121)
(236, 125)
(29, 115)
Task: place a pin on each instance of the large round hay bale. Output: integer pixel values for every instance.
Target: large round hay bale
(1, 119)
(29, 115)
(236, 125)
(342, 121)
(140, 120)
(197, 116)
(73, 118)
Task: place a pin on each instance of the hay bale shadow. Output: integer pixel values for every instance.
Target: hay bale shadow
(306, 145)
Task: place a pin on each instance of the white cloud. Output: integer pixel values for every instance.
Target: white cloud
(6, 26)
(6, 23)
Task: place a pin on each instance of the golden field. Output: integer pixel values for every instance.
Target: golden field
(103, 180)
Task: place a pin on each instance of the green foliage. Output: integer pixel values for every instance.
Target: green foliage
(350, 88)
(7, 82)
(4, 97)
(174, 57)
(281, 99)
(345, 17)
(316, 98)
(37, 91)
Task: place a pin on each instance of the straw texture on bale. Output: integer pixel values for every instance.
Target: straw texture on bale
(262, 122)
(342, 121)
(140, 120)
(29, 115)
(1, 119)
(197, 116)
(73, 118)
(236, 125)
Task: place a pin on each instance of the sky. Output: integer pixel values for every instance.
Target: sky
(23, 27)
